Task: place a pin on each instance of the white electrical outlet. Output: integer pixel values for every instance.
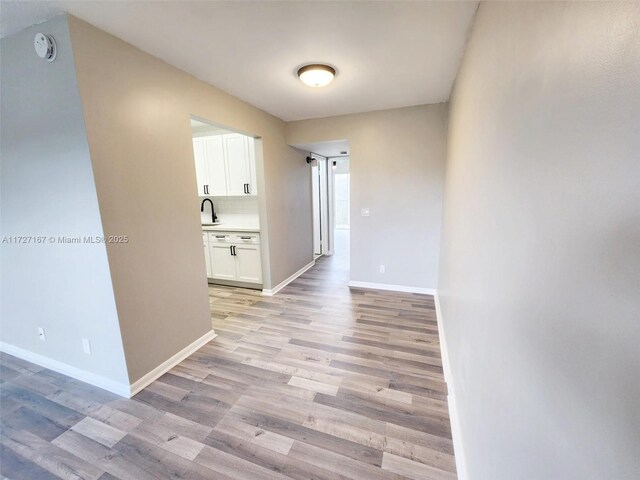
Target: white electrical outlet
(41, 334)
(365, 212)
(86, 346)
(381, 268)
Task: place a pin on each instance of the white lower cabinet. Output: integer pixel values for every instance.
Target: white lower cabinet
(207, 253)
(223, 263)
(248, 265)
(234, 256)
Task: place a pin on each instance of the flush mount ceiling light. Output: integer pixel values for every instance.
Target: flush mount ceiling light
(316, 75)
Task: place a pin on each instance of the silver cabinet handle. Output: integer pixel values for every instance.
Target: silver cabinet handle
(245, 238)
(221, 236)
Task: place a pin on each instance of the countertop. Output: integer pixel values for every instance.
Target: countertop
(231, 227)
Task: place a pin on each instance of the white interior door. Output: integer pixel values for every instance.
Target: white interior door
(319, 192)
(315, 197)
(323, 163)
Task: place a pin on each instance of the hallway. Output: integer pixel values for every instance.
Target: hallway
(356, 378)
(318, 381)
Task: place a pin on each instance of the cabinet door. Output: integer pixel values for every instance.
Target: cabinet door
(202, 174)
(207, 253)
(251, 148)
(248, 264)
(236, 156)
(216, 170)
(223, 264)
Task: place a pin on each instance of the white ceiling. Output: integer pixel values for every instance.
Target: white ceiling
(388, 54)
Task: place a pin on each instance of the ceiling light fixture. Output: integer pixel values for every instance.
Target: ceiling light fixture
(316, 75)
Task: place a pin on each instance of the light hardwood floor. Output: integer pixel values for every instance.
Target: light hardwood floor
(318, 382)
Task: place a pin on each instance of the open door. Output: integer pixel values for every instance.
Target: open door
(315, 192)
(319, 191)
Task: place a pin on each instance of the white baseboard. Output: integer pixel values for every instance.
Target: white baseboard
(394, 288)
(443, 343)
(168, 364)
(122, 389)
(456, 432)
(281, 285)
(119, 388)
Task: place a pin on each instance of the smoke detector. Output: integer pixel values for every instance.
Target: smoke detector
(45, 46)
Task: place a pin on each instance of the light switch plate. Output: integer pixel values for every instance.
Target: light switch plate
(364, 212)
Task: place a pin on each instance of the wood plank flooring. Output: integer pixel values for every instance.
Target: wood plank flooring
(318, 382)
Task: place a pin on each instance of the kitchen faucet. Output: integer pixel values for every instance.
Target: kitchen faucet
(213, 212)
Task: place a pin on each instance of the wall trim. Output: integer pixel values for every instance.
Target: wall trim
(168, 364)
(269, 292)
(454, 418)
(122, 389)
(96, 380)
(446, 366)
(394, 288)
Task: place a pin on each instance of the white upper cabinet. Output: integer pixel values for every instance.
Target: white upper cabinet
(202, 173)
(253, 184)
(225, 165)
(216, 168)
(237, 159)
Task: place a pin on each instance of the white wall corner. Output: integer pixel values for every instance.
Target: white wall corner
(119, 388)
(168, 364)
(454, 419)
(269, 292)
(393, 288)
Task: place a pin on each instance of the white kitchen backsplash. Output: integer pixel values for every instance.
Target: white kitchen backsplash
(233, 211)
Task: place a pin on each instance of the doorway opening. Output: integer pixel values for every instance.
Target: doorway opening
(229, 176)
(331, 209)
(341, 206)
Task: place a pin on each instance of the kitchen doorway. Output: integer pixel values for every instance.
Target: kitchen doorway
(229, 170)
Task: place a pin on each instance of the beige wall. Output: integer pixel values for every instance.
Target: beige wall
(137, 112)
(540, 266)
(397, 160)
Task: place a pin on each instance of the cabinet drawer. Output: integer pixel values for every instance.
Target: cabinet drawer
(250, 238)
(220, 237)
